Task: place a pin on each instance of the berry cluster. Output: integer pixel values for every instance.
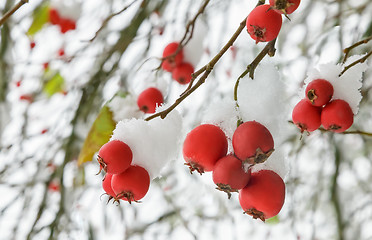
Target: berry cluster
(265, 21)
(261, 194)
(66, 24)
(173, 62)
(318, 108)
(122, 180)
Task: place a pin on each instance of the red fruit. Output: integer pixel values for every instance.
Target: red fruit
(319, 92)
(171, 62)
(54, 17)
(106, 185)
(44, 131)
(337, 116)
(18, 83)
(45, 66)
(252, 142)
(203, 146)
(263, 23)
(32, 44)
(263, 197)
(182, 73)
(131, 185)
(306, 116)
(54, 186)
(61, 52)
(285, 6)
(66, 25)
(115, 157)
(149, 99)
(27, 97)
(229, 174)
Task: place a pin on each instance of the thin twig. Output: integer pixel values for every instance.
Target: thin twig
(348, 49)
(360, 60)
(105, 22)
(11, 11)
(206, 70)
(269, 49)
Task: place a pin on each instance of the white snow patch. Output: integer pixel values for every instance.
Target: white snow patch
(124, 107)
(194, 49)
(67, 9)
(154, 143)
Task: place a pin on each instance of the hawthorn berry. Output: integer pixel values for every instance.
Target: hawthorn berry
(285, 6)
(263, 23)
(106, 185)
(229, 174)
(115, 157)
(61, 52)
(319, 92)
(306, 116)
(182, 73)
(337, 116)
(66, 25)
(131, 185)
(203, 146)
(27, 97)
(32, 44)
(252, 142)
(149, 99)
(263, 196)
(170, 61)
(54, 17)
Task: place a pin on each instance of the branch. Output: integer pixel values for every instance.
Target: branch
(206, 70)
(105, 22)
(348, 49)
(11, 11)
(268, 49)
(361, 60)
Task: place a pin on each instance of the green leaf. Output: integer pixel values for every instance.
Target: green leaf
(40, 17)
(99, 134)
(54, 85)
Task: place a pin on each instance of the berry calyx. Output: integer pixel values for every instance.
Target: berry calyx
(182, 73)
(252, 142)
(319, 92)
(169, 61)
(106, 185)
(203, 146)
(337, 116)
(149, 99)
(263, 23)
(306, 116)
(263, 196)
(131, 185)
(115, 157)
(285, 6)
(229, 174)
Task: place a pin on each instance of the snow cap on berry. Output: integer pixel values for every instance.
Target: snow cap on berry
(347, 86)
(154, 143)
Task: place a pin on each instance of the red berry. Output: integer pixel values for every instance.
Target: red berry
(44, 131)
(149, 99)
(229, 174)
(182, 73)
(27, 97)
(66, 25)
(170, 63)
(115, 157)
(45, 66)
(263, 24)
(319, 92)
(18, 83)
(32, 44)
(131, 185)
(285, 6)
(54, 186)
(54, 17)
(306, 116)
(263, 197)
(337, 116)
(106, 185)
(252, 142)
(203, 146)
(61, 52)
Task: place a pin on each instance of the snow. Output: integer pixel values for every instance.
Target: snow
(347, 86)
(153, 143)
(68, 9)
(195, 48)
(124, 107)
